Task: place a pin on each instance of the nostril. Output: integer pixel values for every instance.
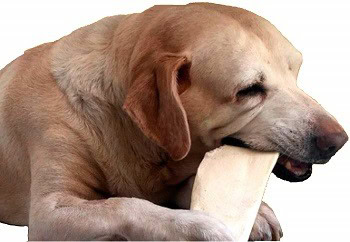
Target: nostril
(331, 149)
(329, 144)
(322, 143)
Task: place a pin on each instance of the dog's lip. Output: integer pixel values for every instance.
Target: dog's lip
(234, 142)
(286, 168)
(292, 170)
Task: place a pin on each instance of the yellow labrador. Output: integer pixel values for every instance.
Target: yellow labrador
(102, 129)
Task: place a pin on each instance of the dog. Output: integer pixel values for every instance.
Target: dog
(103, 130)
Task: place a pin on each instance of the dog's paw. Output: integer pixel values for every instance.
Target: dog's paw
(199, 226)
(266, 226)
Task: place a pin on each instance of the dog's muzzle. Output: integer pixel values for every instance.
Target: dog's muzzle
(325, 145)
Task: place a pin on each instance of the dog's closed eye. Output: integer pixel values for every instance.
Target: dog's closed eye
(252, 90)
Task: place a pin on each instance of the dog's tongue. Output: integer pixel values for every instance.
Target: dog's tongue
(297, 167)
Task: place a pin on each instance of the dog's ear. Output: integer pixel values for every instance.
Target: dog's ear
(153, 103)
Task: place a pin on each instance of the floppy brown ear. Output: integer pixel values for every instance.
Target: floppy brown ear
(153, 103)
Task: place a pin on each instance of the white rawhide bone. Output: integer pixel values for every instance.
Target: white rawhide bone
(230, 184)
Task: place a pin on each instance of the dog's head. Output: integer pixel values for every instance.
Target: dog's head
(232, 82)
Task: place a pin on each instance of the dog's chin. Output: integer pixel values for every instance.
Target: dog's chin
(286, 168)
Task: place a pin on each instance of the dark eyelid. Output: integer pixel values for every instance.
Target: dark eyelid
(252, 90)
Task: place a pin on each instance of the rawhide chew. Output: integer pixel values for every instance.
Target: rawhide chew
(230, 184)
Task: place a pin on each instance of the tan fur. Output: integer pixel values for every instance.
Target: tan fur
(105, 114)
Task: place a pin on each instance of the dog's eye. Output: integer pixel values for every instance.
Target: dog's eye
(252, 90)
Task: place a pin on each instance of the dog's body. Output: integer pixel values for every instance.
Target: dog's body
(116, 110)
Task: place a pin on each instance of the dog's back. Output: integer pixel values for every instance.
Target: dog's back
(16, 84)
(31, 100)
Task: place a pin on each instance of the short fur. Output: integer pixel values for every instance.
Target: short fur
(122, 111)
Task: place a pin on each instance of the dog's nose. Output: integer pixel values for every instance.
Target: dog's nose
(330, 137)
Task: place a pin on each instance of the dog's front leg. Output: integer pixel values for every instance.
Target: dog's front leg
(60, 216)
(65, 206)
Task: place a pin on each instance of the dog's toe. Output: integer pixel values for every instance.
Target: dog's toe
(266, 226)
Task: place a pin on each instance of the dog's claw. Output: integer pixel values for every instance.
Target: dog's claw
(266, 226)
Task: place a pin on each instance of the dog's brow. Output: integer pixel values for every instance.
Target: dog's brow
(261, 77)
(258, 76)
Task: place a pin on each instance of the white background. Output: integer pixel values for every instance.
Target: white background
(315, 210)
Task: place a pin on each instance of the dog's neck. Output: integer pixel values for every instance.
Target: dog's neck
(91, 77)
(94, 79)
(81, 70)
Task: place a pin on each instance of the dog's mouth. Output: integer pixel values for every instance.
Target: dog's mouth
(286, 168)
(292, 170)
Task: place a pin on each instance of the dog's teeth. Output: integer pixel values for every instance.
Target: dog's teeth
(288, 165)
